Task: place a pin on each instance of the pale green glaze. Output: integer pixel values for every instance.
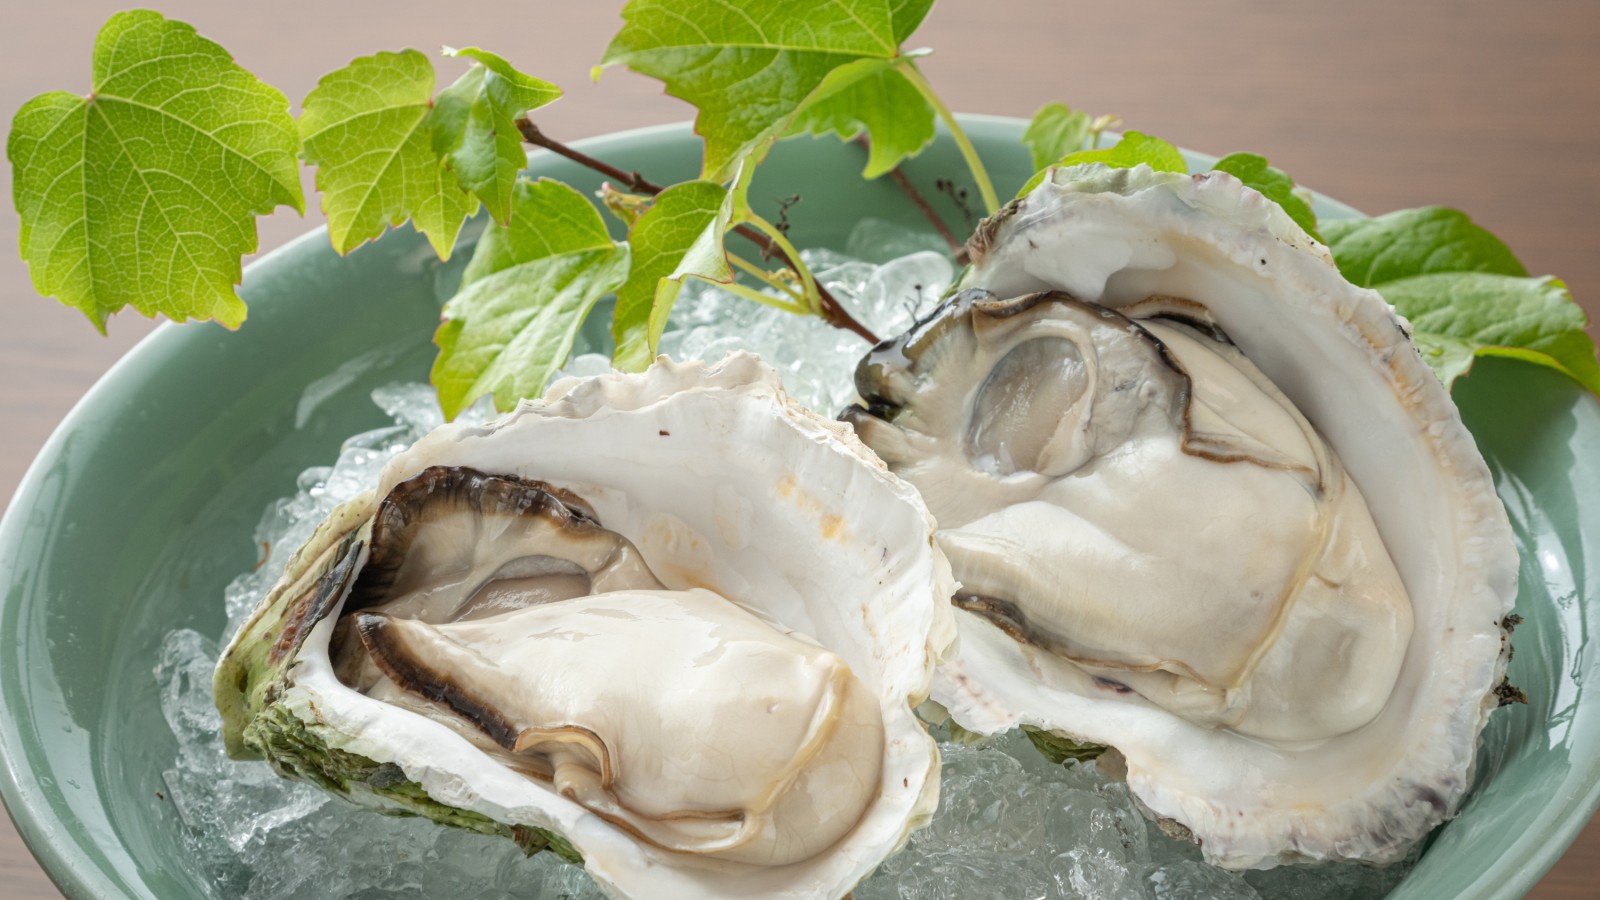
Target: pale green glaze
(141, 507)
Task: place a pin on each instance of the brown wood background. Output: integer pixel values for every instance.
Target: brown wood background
(1490, 107)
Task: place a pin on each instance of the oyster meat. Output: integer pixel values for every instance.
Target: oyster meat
(602, 626)
(1209, 508)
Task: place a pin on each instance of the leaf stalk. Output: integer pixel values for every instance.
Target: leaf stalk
(781, 242)
(749, 293)
(767, 278)
(980, 175)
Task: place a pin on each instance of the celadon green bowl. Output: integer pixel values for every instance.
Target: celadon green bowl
(141, 509)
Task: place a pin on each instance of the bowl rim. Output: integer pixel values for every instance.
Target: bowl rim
(77, 875)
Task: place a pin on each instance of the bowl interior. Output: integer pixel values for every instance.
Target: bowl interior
(140, 510)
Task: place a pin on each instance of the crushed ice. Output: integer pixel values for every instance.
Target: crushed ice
(1009, 825)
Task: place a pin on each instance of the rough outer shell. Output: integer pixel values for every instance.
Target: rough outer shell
(1117, 236)
(720, 481)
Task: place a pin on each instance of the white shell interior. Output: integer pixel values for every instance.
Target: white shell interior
(1116, 237)
(721, 483)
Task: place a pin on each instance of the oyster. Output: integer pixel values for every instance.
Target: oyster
(671, 625)
(1209, 508)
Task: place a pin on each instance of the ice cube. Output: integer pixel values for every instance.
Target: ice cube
(879, 240)
(415, 406)
(1185, 879)
(903, 290)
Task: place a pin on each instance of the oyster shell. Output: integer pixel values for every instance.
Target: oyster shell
(1208, 507)
(606, 626)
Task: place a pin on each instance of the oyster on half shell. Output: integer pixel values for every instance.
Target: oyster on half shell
(1208, 507)
(604, 626)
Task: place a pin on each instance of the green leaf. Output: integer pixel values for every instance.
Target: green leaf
(749, 65)
(1464, 292)
(1055, 132)
(1134, 149)
(145, 193)
(513, 91)
(681, 235)
(475, 126)
(870, 95)
(1533, 319)
(1450, 358)
(1273, 183)
(367, 128)
(522, 298)
(906, 16)
(1371, 252)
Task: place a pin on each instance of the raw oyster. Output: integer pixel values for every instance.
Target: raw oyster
(1208, 508)
(671, 625)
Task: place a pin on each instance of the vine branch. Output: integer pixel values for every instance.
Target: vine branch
(831, 310)
(958, 248)
(635, 182)
(991, 202)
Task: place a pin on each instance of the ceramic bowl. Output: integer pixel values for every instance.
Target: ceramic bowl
(141, 507)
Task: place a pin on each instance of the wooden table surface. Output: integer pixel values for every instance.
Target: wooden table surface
(1490, 107)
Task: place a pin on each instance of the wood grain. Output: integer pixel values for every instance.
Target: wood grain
(1488, 107)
